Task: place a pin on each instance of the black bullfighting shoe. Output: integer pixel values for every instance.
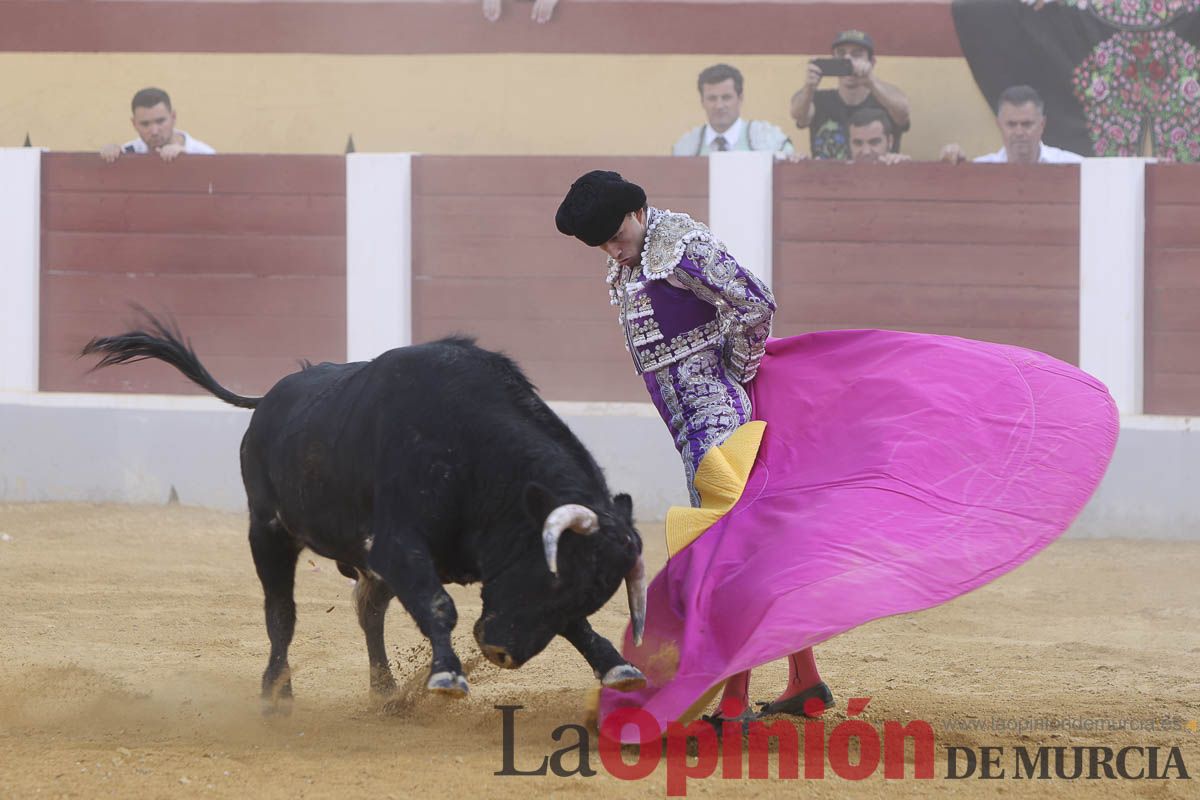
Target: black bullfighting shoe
(794, 705)
(717, 720)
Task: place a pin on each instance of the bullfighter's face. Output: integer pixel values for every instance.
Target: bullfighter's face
(625, 247)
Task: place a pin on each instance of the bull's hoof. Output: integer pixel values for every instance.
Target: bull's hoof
(450, 684)
(383, 685)
(276, 707)
(277, 694)
(624, 678)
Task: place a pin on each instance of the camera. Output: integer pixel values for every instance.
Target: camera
(835, 67)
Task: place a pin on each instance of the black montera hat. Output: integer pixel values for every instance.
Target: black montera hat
(596, 205)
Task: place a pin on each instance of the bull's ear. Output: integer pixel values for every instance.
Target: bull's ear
(539, 502)
(624, 504)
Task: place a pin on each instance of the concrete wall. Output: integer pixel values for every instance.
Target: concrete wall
(1150, 488)
(135, 449)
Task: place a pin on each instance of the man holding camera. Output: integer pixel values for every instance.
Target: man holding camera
(154, 120)
(826, 112)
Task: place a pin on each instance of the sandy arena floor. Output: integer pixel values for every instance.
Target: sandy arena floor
(132, 645)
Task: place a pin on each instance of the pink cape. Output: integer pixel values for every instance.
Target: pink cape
(897, 471)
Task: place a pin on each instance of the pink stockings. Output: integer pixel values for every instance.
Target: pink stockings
(802, 674)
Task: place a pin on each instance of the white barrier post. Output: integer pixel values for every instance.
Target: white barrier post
(20, 266)
(378, 253)
(1112, 250)
(741, 207)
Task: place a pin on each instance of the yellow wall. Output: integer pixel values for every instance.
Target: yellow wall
(445, 104)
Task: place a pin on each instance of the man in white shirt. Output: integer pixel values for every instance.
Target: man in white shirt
(154, 121)
(1021, 118)
(721, 96)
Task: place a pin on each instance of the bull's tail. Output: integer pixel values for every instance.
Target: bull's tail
(166, 344)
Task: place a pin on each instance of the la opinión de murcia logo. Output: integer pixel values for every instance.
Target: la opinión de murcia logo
(753, 761)
(694, 751)
(1067, 763)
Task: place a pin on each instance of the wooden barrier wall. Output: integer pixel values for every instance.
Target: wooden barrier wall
(912, 27)
(979, 251)
(488, 260)
(1172, 289)
(248, 253)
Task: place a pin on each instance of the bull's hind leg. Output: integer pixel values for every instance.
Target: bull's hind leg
(275, 553)
(371, 598)
(402, 559)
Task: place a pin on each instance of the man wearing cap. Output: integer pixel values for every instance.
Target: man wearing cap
(826, 112)
(720, 89)
(696, 324)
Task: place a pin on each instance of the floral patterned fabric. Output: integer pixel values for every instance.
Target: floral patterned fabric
(1119, 77)
(1143, 79)
(1135, 14)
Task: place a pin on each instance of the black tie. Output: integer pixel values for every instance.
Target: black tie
(720, 144)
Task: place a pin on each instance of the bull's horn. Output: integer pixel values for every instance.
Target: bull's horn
(635, 587)
(579, 519)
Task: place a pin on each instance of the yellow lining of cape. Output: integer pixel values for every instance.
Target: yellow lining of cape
(720, 480)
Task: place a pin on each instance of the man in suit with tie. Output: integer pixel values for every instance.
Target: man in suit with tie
(721, 97)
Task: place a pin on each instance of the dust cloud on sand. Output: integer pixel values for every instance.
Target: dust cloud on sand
(133, 642)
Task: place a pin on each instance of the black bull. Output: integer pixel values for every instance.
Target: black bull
(431, 464)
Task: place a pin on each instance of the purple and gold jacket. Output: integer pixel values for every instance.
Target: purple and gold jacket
(696, 324)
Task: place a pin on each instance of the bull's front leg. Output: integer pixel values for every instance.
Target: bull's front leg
(613, 671)
(402, 560)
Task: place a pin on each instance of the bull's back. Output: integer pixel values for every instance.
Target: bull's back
(322, 440)
(427, 422)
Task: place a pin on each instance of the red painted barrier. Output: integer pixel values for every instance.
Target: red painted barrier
(247, 252)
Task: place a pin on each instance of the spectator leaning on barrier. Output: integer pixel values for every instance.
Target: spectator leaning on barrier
(826, 112)
(871, 138)
(1021, 118)
(721, 96)
(542, 11)
(154, 121)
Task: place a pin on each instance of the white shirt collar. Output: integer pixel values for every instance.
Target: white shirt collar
(1041, 159)
(732, 135)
